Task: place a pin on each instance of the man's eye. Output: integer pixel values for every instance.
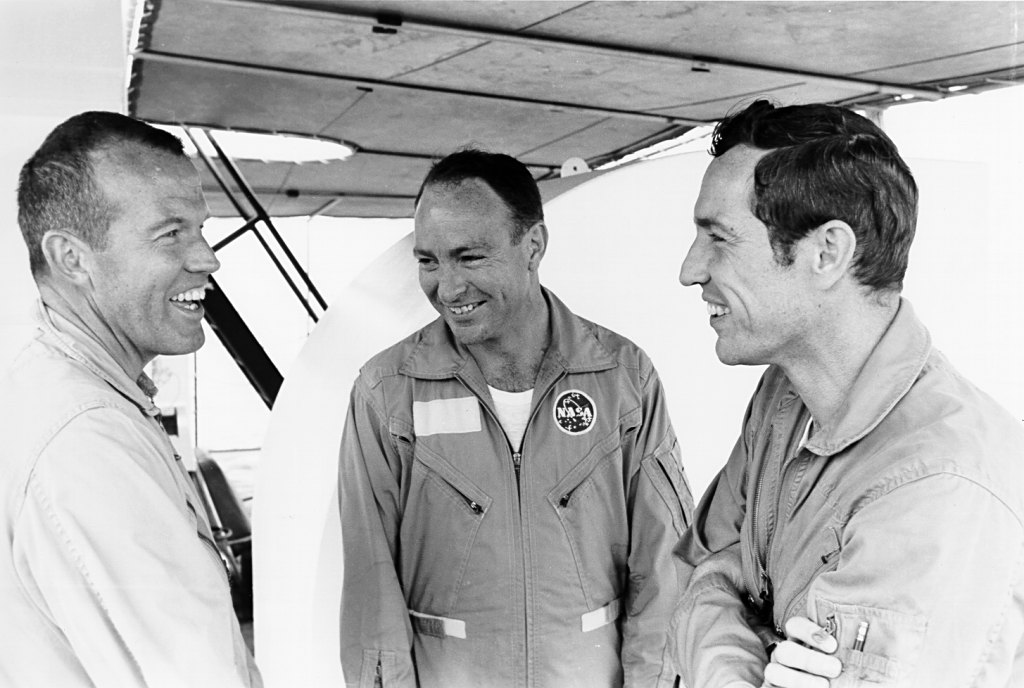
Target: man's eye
(425, 262)
(171, 234)
(472, 258)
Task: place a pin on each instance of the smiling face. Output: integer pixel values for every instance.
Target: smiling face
(147, 281)
(485, 287)
(758, 308)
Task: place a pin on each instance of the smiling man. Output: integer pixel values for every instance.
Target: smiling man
(110, 575)
(867, 528)
(510, 483)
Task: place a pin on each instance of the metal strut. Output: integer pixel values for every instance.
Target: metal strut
(225, 321)
(254, 215)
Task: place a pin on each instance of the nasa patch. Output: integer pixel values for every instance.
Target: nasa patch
(574, 412)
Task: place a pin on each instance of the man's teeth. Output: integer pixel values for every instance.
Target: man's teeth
(462, 310)
(188, 298)
(715, 309)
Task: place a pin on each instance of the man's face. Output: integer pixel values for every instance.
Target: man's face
(469, 269)
(155, 265)
(755, 305)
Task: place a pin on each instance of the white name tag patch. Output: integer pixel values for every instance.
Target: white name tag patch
(591, 621)
(438, 626)
(446, 416)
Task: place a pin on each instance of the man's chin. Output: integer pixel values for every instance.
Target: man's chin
(729, 355)
(184, 345)
(467, 335)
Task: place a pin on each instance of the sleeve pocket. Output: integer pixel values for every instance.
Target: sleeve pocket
(891, 641)
(666, 475)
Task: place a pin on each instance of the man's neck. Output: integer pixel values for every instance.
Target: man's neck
(513, 366)
(71, 306)
(824, 373)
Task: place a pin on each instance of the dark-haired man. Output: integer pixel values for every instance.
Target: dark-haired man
(510, 483)
(867, 528)
(110, 576)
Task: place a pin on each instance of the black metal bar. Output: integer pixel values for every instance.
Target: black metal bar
(251, 197)
(248, 215)
(256, 215)
(250, 224)
(242, 345)
(286, 276)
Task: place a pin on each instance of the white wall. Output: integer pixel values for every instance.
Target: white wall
(57, 58)
(965, 276)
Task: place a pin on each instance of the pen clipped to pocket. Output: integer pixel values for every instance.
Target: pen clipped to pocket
(875, 644)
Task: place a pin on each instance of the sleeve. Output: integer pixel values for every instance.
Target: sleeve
(662, 508)
(107, 549)
(376, 636)
(716, 642)
(931, 574)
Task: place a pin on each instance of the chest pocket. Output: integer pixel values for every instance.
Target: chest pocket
(442, 516)
(889, 642)
(591, 504)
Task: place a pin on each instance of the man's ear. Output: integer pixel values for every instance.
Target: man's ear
(67, 256)
(536, 239)
(833, 245)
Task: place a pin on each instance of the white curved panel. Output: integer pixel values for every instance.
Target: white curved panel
(297, 560)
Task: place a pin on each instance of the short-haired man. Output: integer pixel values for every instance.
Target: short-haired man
(510, 484)
(110, 575)
(867, 528)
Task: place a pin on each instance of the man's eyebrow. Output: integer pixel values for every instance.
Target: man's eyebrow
(456, 251)
(165, 223)
(709, 224)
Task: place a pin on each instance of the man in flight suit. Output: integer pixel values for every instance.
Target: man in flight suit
(867, 528)
(510, 483)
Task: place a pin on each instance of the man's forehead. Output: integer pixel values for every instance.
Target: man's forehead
(467, 195)
(728, 183)
(736, 166)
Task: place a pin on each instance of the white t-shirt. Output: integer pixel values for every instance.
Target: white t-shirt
(513, 409)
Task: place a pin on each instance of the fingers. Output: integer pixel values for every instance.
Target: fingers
(811, 634)
(795, 656)
(779, 676)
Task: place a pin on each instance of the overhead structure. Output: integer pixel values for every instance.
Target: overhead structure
(403, 83)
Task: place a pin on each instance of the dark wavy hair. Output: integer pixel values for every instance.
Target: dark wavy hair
(506, 176)
(828, 163)
(57, 187)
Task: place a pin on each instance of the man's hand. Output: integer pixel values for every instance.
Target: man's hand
(804, 659)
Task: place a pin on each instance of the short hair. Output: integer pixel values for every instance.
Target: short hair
(828, 163)
(505, 175)
(57, 187)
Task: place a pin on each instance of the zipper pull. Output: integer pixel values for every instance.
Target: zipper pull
(517, 461)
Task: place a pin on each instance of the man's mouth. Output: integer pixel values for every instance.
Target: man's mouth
(191, 299)
(463, 310)
(716, 310)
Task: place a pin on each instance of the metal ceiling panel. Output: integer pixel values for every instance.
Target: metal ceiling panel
(840, 38)
(269, 35)
(406, 82)
(375, 118)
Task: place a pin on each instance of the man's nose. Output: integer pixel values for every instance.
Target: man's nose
(450, 283)
(202, 258)
(694, 269)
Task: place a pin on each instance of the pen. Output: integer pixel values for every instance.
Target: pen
(862, 634)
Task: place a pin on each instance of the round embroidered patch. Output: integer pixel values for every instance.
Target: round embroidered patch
(574, 412)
